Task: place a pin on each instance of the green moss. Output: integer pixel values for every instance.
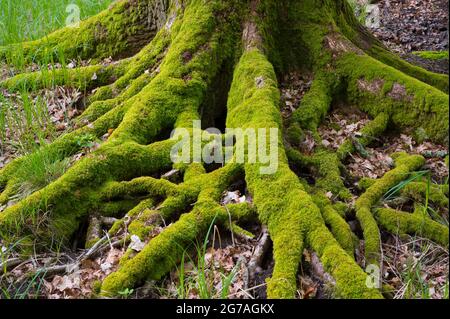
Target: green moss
(341, 208)
(138, 187)
(70, 198)
(119, 31)
(142, 107)
(271, 192)
(350, 279)
(156, 258)
(418, 191)
(412, 224)
(290, 213)
(295, 135)
(339, 227)
(93, 232)
(405, 164)
(144, 205)
(176, 92)
(439, 81)
(136, 77)
(242, 212)
(420, 135)
(142, 226)
(237, 230)
(315, 104)
(166, 250)
(432, 55)
(84, 78)
(326, 168)
(117, 208)
(329, 175)
(96, 287)
(409, 103)
(365, 183)
(350, 27)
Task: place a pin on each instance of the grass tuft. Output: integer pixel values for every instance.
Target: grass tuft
(26, 20)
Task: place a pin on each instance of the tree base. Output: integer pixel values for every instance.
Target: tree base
(168, 85)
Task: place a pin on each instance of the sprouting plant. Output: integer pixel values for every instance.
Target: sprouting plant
(126, 293)
(228, 280)
(446, 290)
(200, 278)
(86, 140)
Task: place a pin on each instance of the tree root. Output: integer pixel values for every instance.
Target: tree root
(84, 78)
(403, 223)
(338, 226)
(409, 103)
(419, 191)
(404, 165)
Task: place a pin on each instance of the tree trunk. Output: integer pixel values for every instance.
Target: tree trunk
(185, 60)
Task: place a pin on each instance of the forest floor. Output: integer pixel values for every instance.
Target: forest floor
(412, 26)
(414, 267)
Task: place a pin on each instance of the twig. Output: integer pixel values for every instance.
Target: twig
(247, 290)
(258, 255)
(231, 225)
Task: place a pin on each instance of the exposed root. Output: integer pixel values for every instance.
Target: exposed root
(165, 251)
(84, 78)
(339, 227)
(421, 192)
(409, 103)
(403, 223)
(404, 165)
(316, 103)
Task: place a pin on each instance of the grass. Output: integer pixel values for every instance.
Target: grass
(39, 170)
(27, 20)
(201, 279)
(23, 116)
(397, 188)
(428, 210)
(24, 123)
(416, 268)
(423, 257)
(32, 19)
(28, 288)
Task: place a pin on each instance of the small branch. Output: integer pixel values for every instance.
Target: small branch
(259, 253)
